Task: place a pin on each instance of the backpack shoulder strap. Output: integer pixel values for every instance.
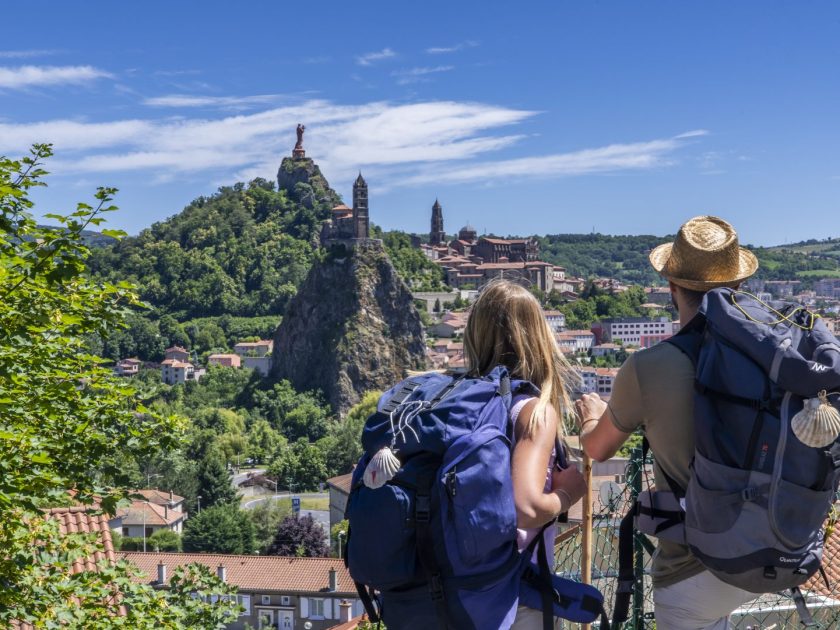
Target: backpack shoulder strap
(690, 338)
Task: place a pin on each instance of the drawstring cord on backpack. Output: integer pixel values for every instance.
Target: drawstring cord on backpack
(781, 316)
(407, 412)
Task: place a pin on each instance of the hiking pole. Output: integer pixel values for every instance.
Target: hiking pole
(586, 550)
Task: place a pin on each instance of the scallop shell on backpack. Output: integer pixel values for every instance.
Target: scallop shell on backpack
(818, 424)
(381, 468)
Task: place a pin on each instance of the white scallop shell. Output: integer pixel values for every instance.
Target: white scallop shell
(818, 424)
(381, 468)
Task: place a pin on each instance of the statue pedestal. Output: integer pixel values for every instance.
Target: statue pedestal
(298, 154)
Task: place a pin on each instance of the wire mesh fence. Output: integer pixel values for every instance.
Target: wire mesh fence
(611, 498)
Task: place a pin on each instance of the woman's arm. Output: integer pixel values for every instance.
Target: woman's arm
(534, 506)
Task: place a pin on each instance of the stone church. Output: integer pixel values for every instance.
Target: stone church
(349, 223)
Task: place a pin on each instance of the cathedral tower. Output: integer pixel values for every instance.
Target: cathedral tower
(437, 236)
(361, 220)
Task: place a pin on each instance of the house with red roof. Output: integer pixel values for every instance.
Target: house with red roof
(274, 591)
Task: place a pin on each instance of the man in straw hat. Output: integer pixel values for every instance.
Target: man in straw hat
(654, 390)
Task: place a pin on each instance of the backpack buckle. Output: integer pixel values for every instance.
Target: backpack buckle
(626, 586)
(749, 494)
(423, 508)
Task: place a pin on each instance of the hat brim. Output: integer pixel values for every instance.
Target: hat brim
(747, 266)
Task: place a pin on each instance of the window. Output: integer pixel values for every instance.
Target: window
(125, 531)
(285, 600)
(245, 602)
(316, 607)
(266, 599)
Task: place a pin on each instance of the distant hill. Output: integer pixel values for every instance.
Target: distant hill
(807, 260)
(626, 257)
(600, 255)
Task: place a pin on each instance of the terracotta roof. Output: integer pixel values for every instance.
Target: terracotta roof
(254, 573)
(176, 349)
(579, 333)
(537, 263)
(80, 520)
(507, 265)
(159, 497)
(175, 363)
(606, 371)
(342, 208)
(143, 513)
(350, 625)
(342, 482)
(131, 361)
(254, 344)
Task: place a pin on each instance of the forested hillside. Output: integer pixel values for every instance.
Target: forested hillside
(242, 252)
(225, 268)
(626, 257)
(603, 256)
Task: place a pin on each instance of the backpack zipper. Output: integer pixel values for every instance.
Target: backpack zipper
(451, 482)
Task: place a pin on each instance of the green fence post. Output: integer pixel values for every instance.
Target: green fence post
(637, 465)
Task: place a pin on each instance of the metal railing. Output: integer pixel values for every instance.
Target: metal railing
(775, 610)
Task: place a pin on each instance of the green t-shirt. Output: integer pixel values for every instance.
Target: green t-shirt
(654, 390)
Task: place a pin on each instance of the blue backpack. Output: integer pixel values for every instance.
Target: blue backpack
(766, 466)
(433, 543)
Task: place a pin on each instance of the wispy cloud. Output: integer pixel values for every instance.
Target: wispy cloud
(694, 133)
(372, 57)
(442, 50)
(413, 75)
(221, 102)
(609, 159)
(317, 60)
(396, 144)
(26, 54)
(38, 76)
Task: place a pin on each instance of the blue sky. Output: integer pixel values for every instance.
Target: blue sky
(521, 118)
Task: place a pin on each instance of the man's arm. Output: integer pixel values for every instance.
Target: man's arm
(600, 438)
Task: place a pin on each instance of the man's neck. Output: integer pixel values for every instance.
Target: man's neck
(686, 315)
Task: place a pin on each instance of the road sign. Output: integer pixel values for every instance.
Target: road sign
(296, 505)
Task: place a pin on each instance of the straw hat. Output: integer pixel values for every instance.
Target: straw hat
(704, 255)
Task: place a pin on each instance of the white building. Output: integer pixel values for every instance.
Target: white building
(256, 355)
(556, 320)
(636, 331)
(575, 340)
(173, 372)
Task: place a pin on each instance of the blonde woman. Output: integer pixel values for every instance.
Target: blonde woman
(506, 327)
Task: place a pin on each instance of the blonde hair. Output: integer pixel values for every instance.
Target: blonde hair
(506, 326)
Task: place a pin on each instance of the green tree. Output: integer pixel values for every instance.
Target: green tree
(214, 482)
(266, 517)
(219, 529)
(164, 540)
(264, 442)
(302, 463)
(342, 447)
(67, 425)
(299, 536)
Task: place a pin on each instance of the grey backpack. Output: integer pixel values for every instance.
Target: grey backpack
(766, 462)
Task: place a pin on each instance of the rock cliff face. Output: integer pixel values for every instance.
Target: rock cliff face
(351, 328)
(305, 184)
